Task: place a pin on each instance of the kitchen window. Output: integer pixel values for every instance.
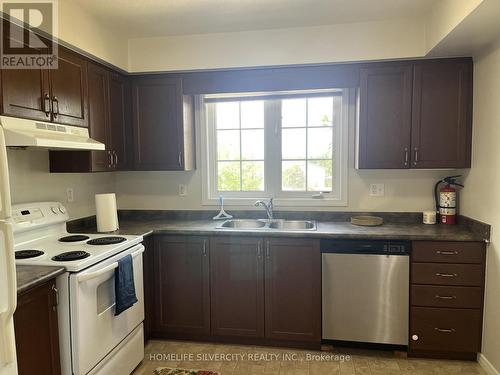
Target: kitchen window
(288, 145)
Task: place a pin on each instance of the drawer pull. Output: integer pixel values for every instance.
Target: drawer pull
(445, 297)
(444, 330)
(446, 252)
(446, 274)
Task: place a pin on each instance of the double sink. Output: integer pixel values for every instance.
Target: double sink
(268, 224)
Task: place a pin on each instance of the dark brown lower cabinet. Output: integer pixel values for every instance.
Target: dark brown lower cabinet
(238, 289)
(293, 289)
(181, 287)
(148, 279)
(237, 286)
(37, 337)
(446, 299)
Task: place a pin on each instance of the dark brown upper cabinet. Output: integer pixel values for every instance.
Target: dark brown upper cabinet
(416, 115)
(119, 121)
(385, 117)
(237, 286)
(108, 96)
(69, 89)
(57, 95)
(163, 124)
(442, 114)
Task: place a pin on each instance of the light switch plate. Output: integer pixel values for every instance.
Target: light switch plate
(377, 190)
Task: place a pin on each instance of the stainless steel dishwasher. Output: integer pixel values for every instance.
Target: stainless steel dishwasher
(365, 291)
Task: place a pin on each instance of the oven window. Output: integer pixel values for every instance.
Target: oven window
(105, 295)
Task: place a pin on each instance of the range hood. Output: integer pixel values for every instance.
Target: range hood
(45, 135)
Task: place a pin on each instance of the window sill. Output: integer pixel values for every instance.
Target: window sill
(279, 202)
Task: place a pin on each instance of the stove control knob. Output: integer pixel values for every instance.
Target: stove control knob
(54, 210)
(62, 209)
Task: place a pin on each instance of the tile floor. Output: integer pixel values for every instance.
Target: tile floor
(253, 360)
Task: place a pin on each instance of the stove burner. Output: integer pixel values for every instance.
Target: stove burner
(71, 255)
(106, 240)
(27, 254)
(74, 238)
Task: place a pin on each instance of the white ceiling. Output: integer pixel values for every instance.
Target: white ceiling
(148, 18)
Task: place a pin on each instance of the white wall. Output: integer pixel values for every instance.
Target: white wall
(83, 30)
(405, 190)
(481, 199)
(320, 44)
(30, 181)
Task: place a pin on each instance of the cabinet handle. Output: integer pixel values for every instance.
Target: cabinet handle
(268, 250)
(46, 104)
(416, 156)
(110, 159)
(444, 330)
(180, 159)
(56, 294)
(446, 252)
(407, 156)
(55, 106)
(259, 249)
(116, 158)
(446, 274)
(204, 248)
(445, 297)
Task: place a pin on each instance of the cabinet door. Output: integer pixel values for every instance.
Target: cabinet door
(442, 114)
(25, 93)
(119, 95)
(149, 293)
(37, 337)
(69, 89)
(98, 115)
(182, 294)
(385, 117)
(293, 289)
(157, 123)
(237, 286)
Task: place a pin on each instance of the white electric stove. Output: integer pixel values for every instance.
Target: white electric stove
(92, 339)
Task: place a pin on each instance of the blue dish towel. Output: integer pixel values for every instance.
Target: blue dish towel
(124, 285)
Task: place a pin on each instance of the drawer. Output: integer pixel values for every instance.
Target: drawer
(445, 329)
(447, 274)
(465, 297)
(447, 252)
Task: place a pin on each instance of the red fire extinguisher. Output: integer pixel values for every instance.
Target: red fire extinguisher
(446, 199)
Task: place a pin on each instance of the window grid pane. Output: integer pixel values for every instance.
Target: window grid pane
(234, 173)
(322, 167)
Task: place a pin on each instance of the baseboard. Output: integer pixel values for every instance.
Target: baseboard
(486, 365)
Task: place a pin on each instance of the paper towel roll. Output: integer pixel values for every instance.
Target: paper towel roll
(107, 215)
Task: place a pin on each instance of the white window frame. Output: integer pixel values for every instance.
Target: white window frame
(338, 197)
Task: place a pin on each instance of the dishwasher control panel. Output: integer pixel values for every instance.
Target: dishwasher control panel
(376, 247)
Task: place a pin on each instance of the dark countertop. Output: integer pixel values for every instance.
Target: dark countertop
(338, 230)
(30, 276)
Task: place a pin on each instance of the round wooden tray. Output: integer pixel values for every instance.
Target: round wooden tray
(367, 221)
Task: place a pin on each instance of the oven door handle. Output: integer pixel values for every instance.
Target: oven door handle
(112, 266)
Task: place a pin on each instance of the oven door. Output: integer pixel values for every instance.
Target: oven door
(95, 330)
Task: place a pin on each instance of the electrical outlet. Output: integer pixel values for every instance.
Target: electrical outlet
(183, 191)
(377, 190)
(70, 196)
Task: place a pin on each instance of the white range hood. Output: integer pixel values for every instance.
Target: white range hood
(45, 135)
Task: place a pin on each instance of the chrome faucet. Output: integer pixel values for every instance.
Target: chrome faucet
(267, 206)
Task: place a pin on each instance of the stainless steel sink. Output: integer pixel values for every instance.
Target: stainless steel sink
(293, 225)
(243, 224)
(263, 224)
